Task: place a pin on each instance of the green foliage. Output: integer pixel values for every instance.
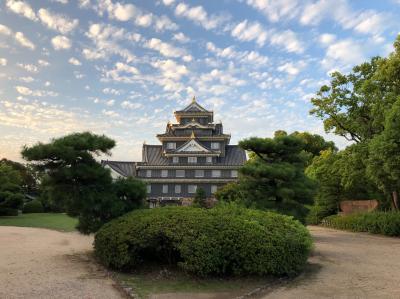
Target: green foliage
(225, 240)
(11, 197)
(27, 174)
(77, 182)
(231, 192)
(200, 198)
(384, 223)
(33, 206)
(274, 177)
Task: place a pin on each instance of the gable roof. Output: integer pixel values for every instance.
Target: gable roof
(192, 146)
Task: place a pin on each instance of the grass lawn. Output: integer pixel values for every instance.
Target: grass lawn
(157, 280)
(56, 221)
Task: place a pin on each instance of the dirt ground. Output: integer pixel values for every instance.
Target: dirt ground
(41, 263)
(347, 265)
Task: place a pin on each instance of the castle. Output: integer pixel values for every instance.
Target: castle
(194, 153)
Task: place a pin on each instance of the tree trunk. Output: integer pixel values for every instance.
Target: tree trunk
(395, 198)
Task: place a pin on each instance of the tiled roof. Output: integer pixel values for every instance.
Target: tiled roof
(122, 168)
(234, 155)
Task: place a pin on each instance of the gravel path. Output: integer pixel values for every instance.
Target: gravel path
(41, 263)
(347, 265)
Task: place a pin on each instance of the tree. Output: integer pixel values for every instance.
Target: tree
(11, 197)
(27, 174)
(79, 183)
(384, 156)
(200, 198)
(274, 178)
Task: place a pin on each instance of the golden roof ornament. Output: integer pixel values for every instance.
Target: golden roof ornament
(194, 99)
(192, 136)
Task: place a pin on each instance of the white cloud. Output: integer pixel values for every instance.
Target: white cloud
(22, 8)
(163, 23)
(131, 105)
(43, 63)
(170, 69)
(25, 91)
(290, 68)
(110, 103)
(5, 30)
(23, 41)
(111, 91)
(343, 53)
(60, 42)
(122, 73)
(144, 20)
(29, 67)
(26, 79)
(110, 113)
(74, 61)
(327, 38)
(60, 1)
(275, 10)
(3, 62)
(246, 31)
(57, 22)
(288, 40)
(180, 37)
(198, 15)
(168, 2)
(164, 48)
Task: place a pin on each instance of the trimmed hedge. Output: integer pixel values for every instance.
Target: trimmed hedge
(225, 240)
(384, 223)
(33, 206)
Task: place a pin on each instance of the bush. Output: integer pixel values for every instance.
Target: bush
(33, 206)
(317, 214)
(8, 212)
(226, 240)
(384, 223)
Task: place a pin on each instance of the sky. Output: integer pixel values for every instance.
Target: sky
(121, 68)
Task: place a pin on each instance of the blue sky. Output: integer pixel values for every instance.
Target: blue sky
(121, 68)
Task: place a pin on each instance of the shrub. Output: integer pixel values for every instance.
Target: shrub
(33, 206)
(8, 212)
(200, 198)
(317, 214)
(225, 240)
(384, 223)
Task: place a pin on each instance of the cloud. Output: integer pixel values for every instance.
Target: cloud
(4, 30)
(180, 37)
(163, 23)
(276, 10)
(111, 91)
(57, 22)
(22, 8)
(170, 69)
(36, 93)
(327, 38)
(122, 73)
(43, 63)
(168, 2)
(131, 105)
(342, 54)
(29, 67)
(198, 15)
(288, 40)
(24, 41)
(74, 61)
(292, 69)
(3, 62)
(246, 31)
(60, 42)
(165, 49)
(106, 38)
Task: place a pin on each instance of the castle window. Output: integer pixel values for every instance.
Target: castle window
(199, 173)
(164, 173)
(234, 173)
(208, 159)
(214, 188)
(180, 173)
(216, 173)
(192, 188)
(177, 189)
(214, 145)
(148, 188)
(164, 189)
(171, 145)
(192, 159)
(148, 173)
(175, 159)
